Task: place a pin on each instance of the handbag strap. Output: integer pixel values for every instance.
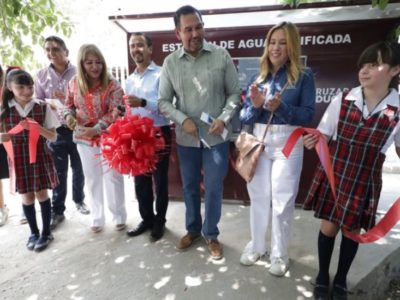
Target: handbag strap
(267, 126)
(272, 114)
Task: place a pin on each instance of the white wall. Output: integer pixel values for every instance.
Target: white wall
(91, 25)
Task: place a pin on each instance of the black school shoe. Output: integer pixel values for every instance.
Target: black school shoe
(43, 242)
(321, 292)
(339, 292)
(32, 240)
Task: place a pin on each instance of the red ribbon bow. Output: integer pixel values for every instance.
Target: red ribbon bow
(385, 224)
(130, 145)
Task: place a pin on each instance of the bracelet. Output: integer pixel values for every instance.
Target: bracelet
(98, 128)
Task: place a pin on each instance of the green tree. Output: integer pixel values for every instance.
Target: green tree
(294, 3)
(382, 4)
(22, 25)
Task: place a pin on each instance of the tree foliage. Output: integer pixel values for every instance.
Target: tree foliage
(22, 25)
(381, 4)
(294, 3)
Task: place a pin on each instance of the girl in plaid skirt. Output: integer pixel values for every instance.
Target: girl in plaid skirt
(31, 180)
(360, 126)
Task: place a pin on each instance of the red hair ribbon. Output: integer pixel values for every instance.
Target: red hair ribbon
(385, 224)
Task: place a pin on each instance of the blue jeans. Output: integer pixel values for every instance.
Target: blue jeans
(63, 150)
(214, 164)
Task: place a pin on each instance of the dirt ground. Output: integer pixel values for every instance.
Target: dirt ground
(394, 290)
(81, 265)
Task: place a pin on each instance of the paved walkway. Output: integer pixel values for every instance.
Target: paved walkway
(81, 265)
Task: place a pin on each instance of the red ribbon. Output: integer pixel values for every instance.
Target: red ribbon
(322, 150)
(385, 224)
(382, 228)
(34, 134)
(131, 144)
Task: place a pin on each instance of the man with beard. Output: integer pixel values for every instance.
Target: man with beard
(203, 79)
(141, 89)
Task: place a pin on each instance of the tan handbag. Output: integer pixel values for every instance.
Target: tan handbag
(250, 149)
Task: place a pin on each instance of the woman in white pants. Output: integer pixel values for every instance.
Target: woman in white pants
(285, 91)
(91, 106)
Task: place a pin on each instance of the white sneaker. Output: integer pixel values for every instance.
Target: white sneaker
(279, 267)
(249, 257)
(3, 215)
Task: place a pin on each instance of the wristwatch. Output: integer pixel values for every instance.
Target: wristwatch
(143, 102)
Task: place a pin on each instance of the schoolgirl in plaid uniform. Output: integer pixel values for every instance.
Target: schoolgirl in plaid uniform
(31, 180)
(91, 103)
(360, 126)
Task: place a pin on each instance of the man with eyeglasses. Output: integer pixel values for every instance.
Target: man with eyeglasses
(50, 85)
(203, 79)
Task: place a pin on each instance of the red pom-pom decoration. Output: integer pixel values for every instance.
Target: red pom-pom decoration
(130, 145)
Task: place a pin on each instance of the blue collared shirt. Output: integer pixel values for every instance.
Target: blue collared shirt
(297, 103)
(146, 86)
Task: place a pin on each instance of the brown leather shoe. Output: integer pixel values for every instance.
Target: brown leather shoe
(187, 241)
(215, 249)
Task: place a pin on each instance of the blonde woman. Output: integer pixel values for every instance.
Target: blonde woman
(274, 187)
(92, 98)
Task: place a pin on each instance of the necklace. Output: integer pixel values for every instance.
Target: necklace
(370, 112)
